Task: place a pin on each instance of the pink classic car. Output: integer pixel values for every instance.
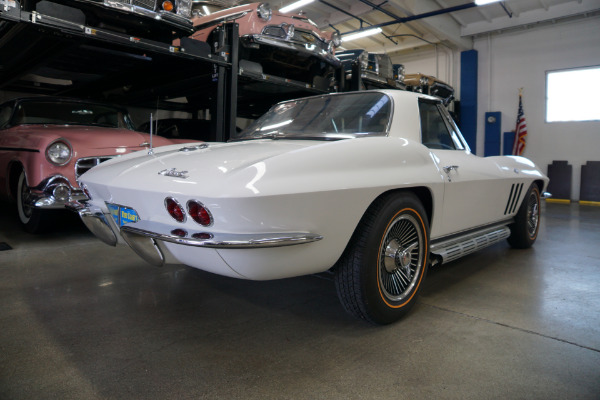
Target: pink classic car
(286, 45)
(46, 143)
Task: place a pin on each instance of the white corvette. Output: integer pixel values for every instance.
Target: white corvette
(377, 185)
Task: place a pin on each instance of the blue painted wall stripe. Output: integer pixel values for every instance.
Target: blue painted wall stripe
(468, 97)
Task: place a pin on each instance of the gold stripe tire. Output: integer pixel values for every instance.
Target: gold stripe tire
(382, 269)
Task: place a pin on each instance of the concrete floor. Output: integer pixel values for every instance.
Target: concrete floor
(82, 320)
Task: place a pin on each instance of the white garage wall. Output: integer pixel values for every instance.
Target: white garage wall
(521, 58)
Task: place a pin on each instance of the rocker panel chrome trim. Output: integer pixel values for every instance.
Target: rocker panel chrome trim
(458, 247)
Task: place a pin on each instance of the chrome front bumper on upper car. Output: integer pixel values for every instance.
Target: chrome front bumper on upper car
(303, 48)
(169, 17)
(142, 236)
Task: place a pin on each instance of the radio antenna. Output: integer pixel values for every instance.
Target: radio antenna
(150, 151)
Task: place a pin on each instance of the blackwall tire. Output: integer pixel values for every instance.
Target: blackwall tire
(381, 272)
(524, 231)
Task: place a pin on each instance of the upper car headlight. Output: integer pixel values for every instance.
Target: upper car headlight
(336, 39)
(264, 11)
(363, 60)
(184, 8)
(59, 152)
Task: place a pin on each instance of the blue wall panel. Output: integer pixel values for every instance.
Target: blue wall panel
(468, 97)
(509, 140)
(492, 133)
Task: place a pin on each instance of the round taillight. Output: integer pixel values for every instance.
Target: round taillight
(199, 213)
(167, 6)
(174, 209)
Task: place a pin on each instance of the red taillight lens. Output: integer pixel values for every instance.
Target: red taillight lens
(202, 235)
(199, 213)
(179, 232)
(174, 209)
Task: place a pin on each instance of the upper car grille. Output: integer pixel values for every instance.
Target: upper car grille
(274, 30)
(148, 4)
(85, 164)
(300, 36)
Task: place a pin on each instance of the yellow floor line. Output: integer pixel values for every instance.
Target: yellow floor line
(589, 203)
(561, 201)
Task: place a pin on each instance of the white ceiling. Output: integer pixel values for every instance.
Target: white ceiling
(454, 29)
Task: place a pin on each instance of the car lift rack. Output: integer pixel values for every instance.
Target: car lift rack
(43, 54)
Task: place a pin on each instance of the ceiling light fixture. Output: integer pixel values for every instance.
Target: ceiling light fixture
(361, 34)
(295, 5)
(484, 2)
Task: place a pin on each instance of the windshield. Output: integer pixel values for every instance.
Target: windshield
(70, 113)
(326, 117)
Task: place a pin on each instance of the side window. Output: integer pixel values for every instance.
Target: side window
(5, 113)
(434, 130)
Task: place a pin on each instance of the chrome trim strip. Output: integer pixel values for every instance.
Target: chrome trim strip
(162, 232)
(546, 195)
(221, 19)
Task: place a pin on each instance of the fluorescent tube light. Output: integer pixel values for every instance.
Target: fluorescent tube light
(295, 5)
(484, 2)
(361, 34)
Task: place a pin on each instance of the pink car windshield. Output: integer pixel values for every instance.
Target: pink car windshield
(69, 113)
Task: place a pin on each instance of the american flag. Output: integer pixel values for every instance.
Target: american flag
(520, 130)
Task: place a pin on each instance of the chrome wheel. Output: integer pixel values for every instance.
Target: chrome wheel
(401, 257)
(524, 230)
(533, 214)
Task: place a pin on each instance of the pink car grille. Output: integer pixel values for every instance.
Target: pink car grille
(85, 164)
(148, 4)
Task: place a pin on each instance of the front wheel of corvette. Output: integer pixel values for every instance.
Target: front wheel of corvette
(381, 271)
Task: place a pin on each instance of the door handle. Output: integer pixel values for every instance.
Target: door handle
(449, 168)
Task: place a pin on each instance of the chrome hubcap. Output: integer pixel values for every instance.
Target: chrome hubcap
(397, 256)
(401, 257)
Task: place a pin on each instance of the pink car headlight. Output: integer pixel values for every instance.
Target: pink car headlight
(59, 152)
(264, 11)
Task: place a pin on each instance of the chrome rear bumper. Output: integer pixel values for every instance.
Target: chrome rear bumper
(144, 236)
(214, 240)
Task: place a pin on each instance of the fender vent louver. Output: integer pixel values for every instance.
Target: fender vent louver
(513, 198)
